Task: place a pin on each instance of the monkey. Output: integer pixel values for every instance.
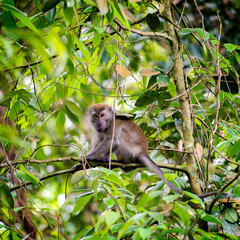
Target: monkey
(129, 143)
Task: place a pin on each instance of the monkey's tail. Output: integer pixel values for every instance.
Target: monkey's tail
(148, 162)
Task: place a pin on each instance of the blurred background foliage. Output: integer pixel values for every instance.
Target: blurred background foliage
(59, 57)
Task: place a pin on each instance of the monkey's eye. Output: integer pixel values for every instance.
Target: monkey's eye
(95, 116)
(102, 115)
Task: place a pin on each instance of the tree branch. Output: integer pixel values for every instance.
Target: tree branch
(149, 34)
(93, 163)
(41, 161)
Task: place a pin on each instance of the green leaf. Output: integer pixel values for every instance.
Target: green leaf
(30, 115)
(68, 14)
(15, 235)
(109, 202)
(99, 29)
(115, 179)
(201, 32)
(119, 14)
(123, 57)
(6, 196)
(163, 80)
(152, 81)
(94, 62)
(110, 14)
(10, 2)
(83, 49)
(184, 214)
(153, 21)
(60, 122)
(78, 176)
(72, 116)
(8, 135)
(214, 42)
(163, 96)
(49, 4)
(37, 3)
(229, 47)
(230, 214)
(90, 2)
(70, 66)
(14, 110)
(86, 96)
(108, 172)
(111, 217)
(129, 222)
(49, 93)
(173, 230)
(51, 15)
(8, 20)
(82, 201)
(144, 232)
(237, 158)
(116, 227)
(157, 216)
(236, 190)
(147, 98)
(208, 218)
(23, 176)
(21, 16)
(60, 91)
(170, 198)
(185, 31)
(196, 198)
(13, 8)
(30, 177)
(74, 108)
(143, 200)
(233, 150)
(237, 3)
(231, 230)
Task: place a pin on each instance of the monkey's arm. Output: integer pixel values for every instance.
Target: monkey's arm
(100, 150)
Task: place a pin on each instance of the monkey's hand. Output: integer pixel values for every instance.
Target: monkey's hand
(79, 166)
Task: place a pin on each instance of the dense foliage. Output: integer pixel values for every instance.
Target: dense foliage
(60, 56)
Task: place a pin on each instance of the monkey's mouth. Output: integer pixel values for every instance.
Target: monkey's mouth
(100, 129)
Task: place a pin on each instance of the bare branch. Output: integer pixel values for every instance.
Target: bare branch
(95, 163)
(149, 34)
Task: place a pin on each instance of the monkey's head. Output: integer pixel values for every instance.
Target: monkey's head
(100, 116)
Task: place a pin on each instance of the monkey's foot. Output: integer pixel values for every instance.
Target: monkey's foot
(77, 167)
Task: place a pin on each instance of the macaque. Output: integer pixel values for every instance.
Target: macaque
(129, 142)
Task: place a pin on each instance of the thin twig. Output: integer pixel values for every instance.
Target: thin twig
(192, 116)
(209, 210)
(178, 96)
(224, 156)
(219, 73)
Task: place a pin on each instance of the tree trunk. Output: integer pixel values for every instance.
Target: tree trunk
(183, 99)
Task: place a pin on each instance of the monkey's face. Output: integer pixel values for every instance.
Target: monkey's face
(100, 118)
